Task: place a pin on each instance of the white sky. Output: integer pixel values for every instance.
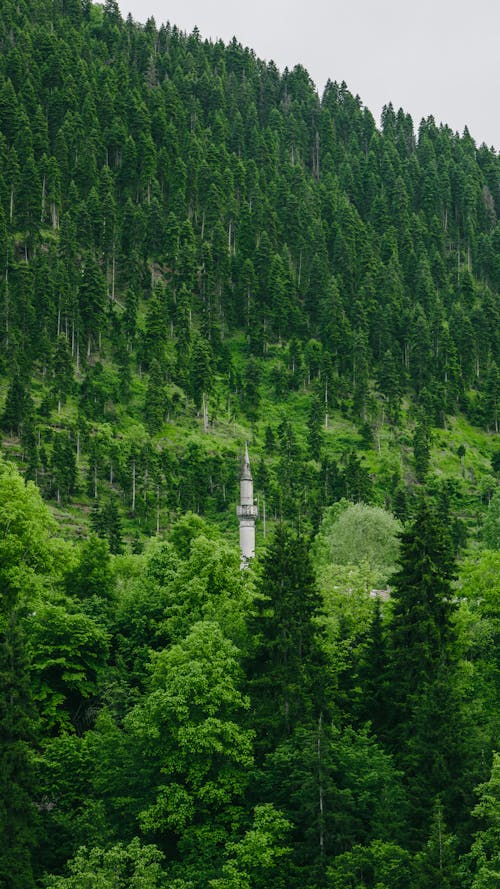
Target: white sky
(439, 57)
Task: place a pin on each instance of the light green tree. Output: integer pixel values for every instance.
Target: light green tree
(256, 861)
(490, 531)
(485, 850)
(193, 753)
(356, 534)
(118, 867)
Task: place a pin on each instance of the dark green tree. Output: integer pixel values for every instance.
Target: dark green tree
(18, 730)
(315, 421)
(287, 658)
(155, 404)
(425, 726)
(421, 450)
(112, 526)
(62, 369)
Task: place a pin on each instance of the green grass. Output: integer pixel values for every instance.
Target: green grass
(389, 455)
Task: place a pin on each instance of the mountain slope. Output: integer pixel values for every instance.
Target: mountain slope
(192, 241)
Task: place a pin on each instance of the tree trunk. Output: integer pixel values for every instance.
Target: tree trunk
(320, 792)
(205, 413)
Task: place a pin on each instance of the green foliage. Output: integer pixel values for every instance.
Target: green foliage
(188, 735)
(356, 535)
(134, 866)
(485, 851)
(92, 576)
(18, 729)
(287, 656)
(68, 654)
(26, 548)
(379, 864)
(427, 722)
(196, 251)
(437, 863)
(491, 527)
(337, 788)
(258, 857)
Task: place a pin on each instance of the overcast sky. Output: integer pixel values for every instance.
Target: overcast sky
(439, 57)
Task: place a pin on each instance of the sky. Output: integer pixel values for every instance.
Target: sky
(439, 57)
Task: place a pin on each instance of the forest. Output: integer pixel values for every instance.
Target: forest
(198, 251)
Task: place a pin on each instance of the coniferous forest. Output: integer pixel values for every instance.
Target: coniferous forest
(198, 251)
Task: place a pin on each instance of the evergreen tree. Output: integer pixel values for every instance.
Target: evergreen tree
(485, 852)
(63, 466)
(437, 863)
(314, 427)
(156, 399)
(287, 660)
(62, 369)
(111, 526)
(421, 450)
(18, 817)
(425, 725)
(17, 406)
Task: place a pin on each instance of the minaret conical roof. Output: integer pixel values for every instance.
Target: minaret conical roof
(246, 473)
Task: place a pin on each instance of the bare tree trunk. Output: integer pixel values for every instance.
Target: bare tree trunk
(7, 306)
(320, 789)
(43, 200)
(205, 413)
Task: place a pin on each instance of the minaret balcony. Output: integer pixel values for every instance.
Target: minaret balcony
(247, 511)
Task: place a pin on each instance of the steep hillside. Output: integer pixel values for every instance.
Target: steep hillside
(197, 250)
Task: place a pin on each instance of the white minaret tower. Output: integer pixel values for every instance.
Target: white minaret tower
(247, 513)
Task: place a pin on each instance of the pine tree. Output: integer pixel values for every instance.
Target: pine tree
(156, 398)
(287, 658)
(92, 298)
(421, 697)
(485, 852)
(421, 450)
(437, 864)
(314, 427)
(63, 467)
(62, 369)
(421, 627)
(18, 817)
(111, 526)
(17, 405)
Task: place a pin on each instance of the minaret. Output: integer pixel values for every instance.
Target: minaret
(247, 513)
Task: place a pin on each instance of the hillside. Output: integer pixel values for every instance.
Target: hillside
(198, 251)
(186, 230)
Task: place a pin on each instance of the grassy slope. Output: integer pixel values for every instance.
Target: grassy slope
(391, 450)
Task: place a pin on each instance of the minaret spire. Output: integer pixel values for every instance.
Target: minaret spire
(247, 513)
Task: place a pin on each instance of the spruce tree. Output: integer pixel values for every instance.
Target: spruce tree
(422, 699)
(18, 817)
(286, 661)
